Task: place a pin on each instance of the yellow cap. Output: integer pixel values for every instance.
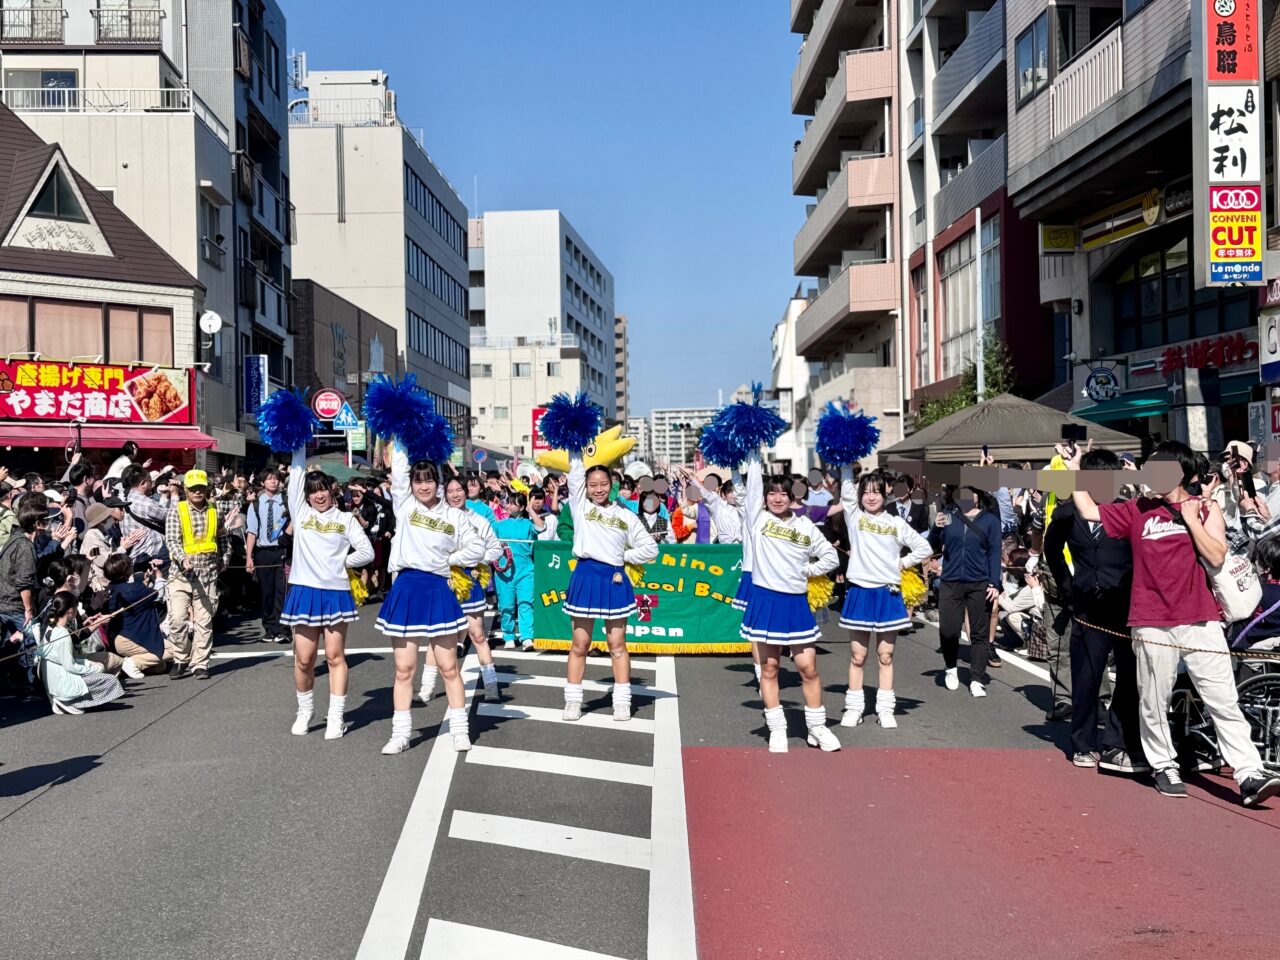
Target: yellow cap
(195, 478)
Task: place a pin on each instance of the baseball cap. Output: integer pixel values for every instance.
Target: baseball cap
(195, 478)
(1241, 449)
(113, 502)
(1128, 457)
(53, 496)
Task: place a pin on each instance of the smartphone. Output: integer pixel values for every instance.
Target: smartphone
(1073, 433)
(1246, 476)
(986, 452)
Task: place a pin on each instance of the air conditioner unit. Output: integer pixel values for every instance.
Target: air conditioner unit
(243, 63)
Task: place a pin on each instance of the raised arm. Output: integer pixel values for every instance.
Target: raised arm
(577, 482)
(753, 495)
(297, 483)
(399, 474)
(361, 549)
(848, 490)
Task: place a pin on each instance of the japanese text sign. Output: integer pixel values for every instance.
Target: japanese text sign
(1232, 41)
(41, 390)
(1235, 234)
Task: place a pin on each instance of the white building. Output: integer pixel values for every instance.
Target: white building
(792, 379)
(673, 433)
(638, 427)
(380, 226)
(534, 276)
(622, 370)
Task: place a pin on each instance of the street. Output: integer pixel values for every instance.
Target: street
(185, 821)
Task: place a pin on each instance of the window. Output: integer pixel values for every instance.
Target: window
(1133, 6)
(122, 335)
(57, 200)
(421, 267)
(273, 65)
(522, 370)
(991, 270)
(419, 196)
(924, 346)
(481, 371)
(1065, 40)
(42, 89)
(957, 287)
(553, 368)
(1031, 58)
(66, 329)
(501, 413)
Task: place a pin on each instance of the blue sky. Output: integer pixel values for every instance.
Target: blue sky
(661, 128)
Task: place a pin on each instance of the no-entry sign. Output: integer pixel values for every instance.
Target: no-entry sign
(327, 404)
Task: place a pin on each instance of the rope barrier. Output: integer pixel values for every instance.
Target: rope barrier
(154, 595)
(1240, 654)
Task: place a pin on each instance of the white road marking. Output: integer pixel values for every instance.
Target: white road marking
(671, 929)
(391, 925)
(1039, 672)
(564, 765)
(602, 721)
(594, 686)
(564, 658)
(615, 848)
(446, 939)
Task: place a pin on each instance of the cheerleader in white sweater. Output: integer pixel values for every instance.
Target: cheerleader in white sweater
(431, 538)
(326, 542)
(786, 551)
(606, 537)
(873, 609)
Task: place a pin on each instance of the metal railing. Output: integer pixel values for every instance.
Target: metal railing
(27, 25)
(341, 112)
(917, 228)
(983, 42)
(212, 253)
(508, 343)
(128, 25)
(269, 205)
(982, 177)
(210, 120)
(98, 100)
(916, 116)
(1093, 77)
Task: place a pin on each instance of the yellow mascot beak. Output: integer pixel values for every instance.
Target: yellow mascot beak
(609, 447)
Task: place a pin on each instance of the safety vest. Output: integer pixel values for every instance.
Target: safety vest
(1052, 501)
(208, 543)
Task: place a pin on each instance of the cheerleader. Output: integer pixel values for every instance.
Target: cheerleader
(431, 538)
(326, 542)
(455, 494)
(786, 551)
(606, 537)
(874, 612)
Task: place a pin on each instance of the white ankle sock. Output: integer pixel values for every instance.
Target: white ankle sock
(429, 675)
(775, 719)
(815, 716)
(886, 701)
(307, 702)
(337, 705)
(622, 692)
(573, 693)
(488, 673)
(459, 722)
(855, 701)
(402, 723)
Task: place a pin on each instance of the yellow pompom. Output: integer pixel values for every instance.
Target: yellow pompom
(359, 593)
(460, 582)
(635, 571)
(914, 591)
(821, 589)
(483, 575)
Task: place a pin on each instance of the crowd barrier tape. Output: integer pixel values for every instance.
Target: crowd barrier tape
(685, 601)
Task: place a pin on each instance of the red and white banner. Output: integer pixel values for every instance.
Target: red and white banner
(539, 442)
(32, 390)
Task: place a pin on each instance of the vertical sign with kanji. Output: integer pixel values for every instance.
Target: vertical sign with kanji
(1228, 118)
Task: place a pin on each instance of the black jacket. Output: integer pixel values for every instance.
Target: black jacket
(917, 516)
(1103, 565)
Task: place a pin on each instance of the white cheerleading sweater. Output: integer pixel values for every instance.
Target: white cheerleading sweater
(727, 519)
(431, 539)
(324, 544)
(492, 545)
(876, 541)
(611, 534)
(786, 551)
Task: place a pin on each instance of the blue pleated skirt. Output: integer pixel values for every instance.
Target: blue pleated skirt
(314, 607)
(475, 600)
(421, 604)
(782, 619)
(593, 592)
(874, 610)
(743, 596)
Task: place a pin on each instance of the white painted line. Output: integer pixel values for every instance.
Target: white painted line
(600, 721)
(391, 924)
(632, 773)
(1036, 671)
(615, 848)
(446, 939)
(564, 658)
(671, 931)
(594, 686)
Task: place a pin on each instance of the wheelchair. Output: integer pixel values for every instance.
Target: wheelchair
(1258, 691)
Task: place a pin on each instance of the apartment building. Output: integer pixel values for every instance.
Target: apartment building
(638, 427)
(792, 379)
(176, 111)
(674, 432)
(969, 257)
(382, 227)
(621, 374)
(542, 322)
(846, 84)
(1100, 113)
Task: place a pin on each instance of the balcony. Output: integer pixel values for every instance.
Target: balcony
(212, 254)
(269, 209)
(264, 296)
(802, 12)
(25, 25)
(917, 229)
(835, 24)
(854, 101)
(118, 101)
(856, 197)
(863, 291)
(122, 25)
(915, 121)
(984, 175)
(981, 51)
(1087, 82)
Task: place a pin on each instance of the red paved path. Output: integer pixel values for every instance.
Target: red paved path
(874, 854)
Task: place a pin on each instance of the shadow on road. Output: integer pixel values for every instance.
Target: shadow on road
(24, 781)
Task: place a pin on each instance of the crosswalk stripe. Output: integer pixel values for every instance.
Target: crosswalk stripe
(632, 773)
(563, 658)
(614, 848)
(594, 686)
(447, 939)
(602, 721)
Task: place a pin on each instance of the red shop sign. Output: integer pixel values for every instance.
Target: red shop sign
(1228, 350)
(1231, 46)
(539, 442)
(40, 390)
(327, 404)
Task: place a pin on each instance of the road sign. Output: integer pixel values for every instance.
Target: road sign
(480, 456)
(346, 418)
(1269, 347)
(328, 404)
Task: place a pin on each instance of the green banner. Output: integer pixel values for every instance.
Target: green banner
(685, 601)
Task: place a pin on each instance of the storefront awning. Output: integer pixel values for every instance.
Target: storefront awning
(1146, 403)
(104, 436)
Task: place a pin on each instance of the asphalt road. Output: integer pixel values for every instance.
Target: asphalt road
(185, 821)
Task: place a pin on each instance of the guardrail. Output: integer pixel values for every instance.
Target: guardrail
(27, 25)
(128, 25)
(1088, 81)
(983, 42)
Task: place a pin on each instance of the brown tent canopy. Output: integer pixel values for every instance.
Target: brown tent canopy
(1013, 429)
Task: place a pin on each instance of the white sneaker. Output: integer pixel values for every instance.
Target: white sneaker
(526, 645)
(491, 692)
(887, 719)
(824, 738)
(65, 708)
(572, 711)
(622, 711)
(778, 741)
(130, 668)
(301, 723)
(425, 693)
(977, 689)
(396, 745)
(850, 718)
(335, 728)
(461, 743)
(952, 678)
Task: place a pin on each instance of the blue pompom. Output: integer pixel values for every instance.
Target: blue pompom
(286, 421)
(738, 430)
(844, 437)
(431, 439)
(570, 424)
(406, 412)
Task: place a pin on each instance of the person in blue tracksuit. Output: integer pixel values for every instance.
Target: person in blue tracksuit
(513, 573)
